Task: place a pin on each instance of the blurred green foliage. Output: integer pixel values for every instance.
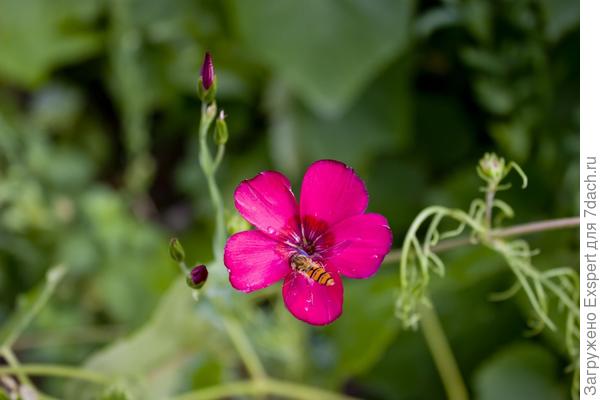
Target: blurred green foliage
(98, 168)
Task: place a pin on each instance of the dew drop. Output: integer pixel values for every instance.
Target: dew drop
(270, 230)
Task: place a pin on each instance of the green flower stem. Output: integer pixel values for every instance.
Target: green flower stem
(442, 354)
(219, 156)
(184, 268)
(244, 348)
(490, 193)
(12, 361)
(523, 229)
(60, 371)
(54, 276)
(209, 166)
(262, 387)
(220, 235)
(412, 231)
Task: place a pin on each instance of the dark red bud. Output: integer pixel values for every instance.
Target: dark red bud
(198, 276)
(208, 72)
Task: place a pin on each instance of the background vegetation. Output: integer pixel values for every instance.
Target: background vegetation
(98, 168)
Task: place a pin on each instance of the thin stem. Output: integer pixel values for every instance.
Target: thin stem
(220, 236)
(12, 361)
(523, 229)
(244, 348)
(184, 268)
(489, 204)
(261, 387)
(442, 355)
(538, 226)
(208, 165)
(60, 371)
(219, 156)
(54, 277)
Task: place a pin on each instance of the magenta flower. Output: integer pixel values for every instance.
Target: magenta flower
(308, 245)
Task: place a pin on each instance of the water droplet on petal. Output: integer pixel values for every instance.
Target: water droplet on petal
(270, 230)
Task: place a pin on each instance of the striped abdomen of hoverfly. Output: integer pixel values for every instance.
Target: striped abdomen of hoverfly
(312, 269)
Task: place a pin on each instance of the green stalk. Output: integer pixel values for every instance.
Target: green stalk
(13, 362)
(208, 165)
(262, 387)
(60, 371)
(54, 276)
(244, 348)
(442, 355)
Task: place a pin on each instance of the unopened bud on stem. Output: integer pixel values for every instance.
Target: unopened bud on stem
(492, 168)
(176, 250)
(221, 131)
(207, 84)
(197, 276)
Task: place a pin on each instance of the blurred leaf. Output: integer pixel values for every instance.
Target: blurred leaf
(519, 372)
(326, 50)
(152, 358)
(513, 138)
(435, 19)
(380, 121)
(478, 18)
(134, 262)
(366, 328)
(560, 17)
(494, 95)
(57, 106)
(38, 35)
(445, 129)
(384, 197)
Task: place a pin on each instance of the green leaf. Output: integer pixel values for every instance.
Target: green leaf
(38, 35)
(152, 358)
(560, 17)
(380, 121)
(520, 371)
(326, 50)
(133, 259)
(366, 328)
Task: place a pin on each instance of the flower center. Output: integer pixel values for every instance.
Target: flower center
(310, 268)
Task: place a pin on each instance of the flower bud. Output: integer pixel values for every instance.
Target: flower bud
(208, 72)
(197, 276)
(176, 250)
(492, 167)
(221, 131)
(207, 84)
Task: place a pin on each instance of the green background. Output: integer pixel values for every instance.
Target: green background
(98, 168)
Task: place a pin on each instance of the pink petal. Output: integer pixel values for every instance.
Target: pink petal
(357, 245)
(255, 261)
(267, 202)
(312, 302)
(331, 192)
